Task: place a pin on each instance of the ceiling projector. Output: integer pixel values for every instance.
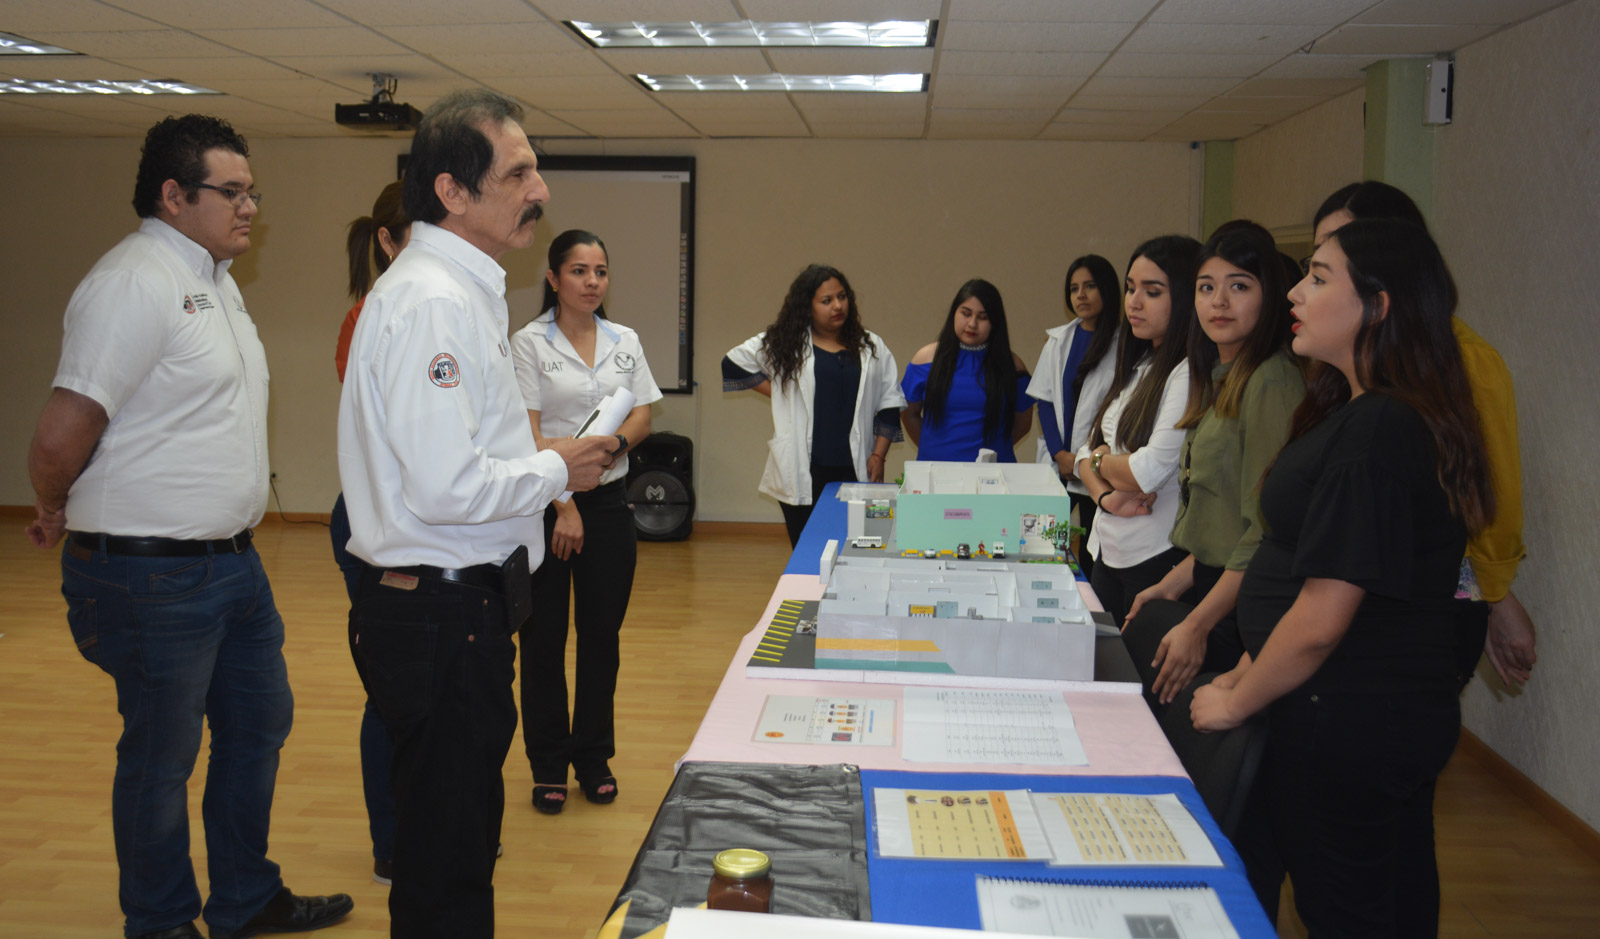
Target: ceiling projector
(380, 113)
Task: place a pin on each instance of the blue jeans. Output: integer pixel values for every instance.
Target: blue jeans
(377, 746)
(187, 639)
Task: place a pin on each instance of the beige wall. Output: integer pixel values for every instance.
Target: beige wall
(1517, 213)
(908, 221)
(1281, 174)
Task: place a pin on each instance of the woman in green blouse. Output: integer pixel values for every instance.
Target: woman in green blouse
(1244, 385)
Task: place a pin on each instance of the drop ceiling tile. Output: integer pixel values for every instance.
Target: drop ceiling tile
(615, 11)
(1154, 118)
(1107, 132)
(857, 106)
(526, 65)
(1488, 12)
(433, 13)
(409, 69)
(128, 109)
(70, 68)
(653, 122)
(34, 18)
(957, 99)
(687, 61)
(1112, 85)
(1037, 117)
(1321, 87)
(201, 15)
(136, 42)
(1269, 110)
(486, 39)
(820, 11)
(1138, 102)
(290, 89)
(1081, 64)
(851, 61)
(1173, 65)
(1312, 65)
(1007, 84)
(1329, 13)
(1045, 11)
(713, 125)
(337, 40)
(869, 130)
(1400, 40)
(1210, 127)
(756, 104)
(1032, 37)
(1230, 39)
(202, 70)
(598, 95)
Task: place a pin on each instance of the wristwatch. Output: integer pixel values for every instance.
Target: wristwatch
(622, 444)
(1094, 462)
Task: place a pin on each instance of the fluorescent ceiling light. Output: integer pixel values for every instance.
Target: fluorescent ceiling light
(12, 44)
(100, 86)
(891, 33)
(910, 82)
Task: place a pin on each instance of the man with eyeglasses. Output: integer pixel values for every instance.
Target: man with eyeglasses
(153, 448)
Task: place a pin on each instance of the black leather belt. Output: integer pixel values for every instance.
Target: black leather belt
(159, 547)
(484, 576)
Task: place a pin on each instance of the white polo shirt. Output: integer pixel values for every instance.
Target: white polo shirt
(557, 383)
(436, 456)
(158, 335)
(1125, 542)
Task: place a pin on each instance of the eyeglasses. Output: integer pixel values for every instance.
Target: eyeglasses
(234, 196)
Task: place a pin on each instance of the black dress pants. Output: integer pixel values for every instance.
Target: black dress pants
(1347, 785)
(598, 580)
(1117, 586)
(439, 663)
(1086, 510)
(796, 516)
(1143, 634)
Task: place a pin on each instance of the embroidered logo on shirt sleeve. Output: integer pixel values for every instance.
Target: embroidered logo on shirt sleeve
(442, 371)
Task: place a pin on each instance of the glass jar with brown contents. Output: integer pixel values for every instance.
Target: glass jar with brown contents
(743, 881)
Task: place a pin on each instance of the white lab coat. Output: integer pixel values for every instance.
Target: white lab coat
(787, 477)
(1046, 386)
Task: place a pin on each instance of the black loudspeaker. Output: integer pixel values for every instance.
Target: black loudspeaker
(661, 487)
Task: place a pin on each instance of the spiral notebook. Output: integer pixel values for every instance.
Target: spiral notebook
(1126, 909)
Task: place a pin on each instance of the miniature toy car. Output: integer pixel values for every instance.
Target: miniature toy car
(964, 551)
(999, 550)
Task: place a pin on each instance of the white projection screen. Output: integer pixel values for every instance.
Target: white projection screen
(643, 209)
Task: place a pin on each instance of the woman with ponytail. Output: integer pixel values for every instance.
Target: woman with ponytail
(372, 243)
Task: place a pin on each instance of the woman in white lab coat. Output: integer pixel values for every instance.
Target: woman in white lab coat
(834, 390)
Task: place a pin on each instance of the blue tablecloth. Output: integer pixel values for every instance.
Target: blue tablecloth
(944, 893)
(828, 520)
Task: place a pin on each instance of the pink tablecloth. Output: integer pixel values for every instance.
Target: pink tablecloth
(1118, 732)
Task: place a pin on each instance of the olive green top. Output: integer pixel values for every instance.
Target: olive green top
(1219, 509)
(741, 864)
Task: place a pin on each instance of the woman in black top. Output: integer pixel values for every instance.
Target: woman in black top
(1347, 610)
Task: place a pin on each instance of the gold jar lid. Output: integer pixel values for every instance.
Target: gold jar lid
(741, 864)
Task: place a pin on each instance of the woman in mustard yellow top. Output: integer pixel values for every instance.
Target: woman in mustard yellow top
(1494, 552)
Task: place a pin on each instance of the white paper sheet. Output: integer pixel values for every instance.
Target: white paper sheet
(604, 420)
(1101, 911)
(839, 721)
(951, 725)
(1122, 830)
(935, 824)
(689, 923)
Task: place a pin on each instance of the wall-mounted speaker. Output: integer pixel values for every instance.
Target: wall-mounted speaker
(661, 487)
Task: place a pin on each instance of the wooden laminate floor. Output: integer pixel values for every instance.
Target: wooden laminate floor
(1506, 871)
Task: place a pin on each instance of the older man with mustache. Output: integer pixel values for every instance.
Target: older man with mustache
(446, 492)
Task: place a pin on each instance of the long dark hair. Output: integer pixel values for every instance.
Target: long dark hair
(1411, 354)
(1370, 199)
(557, 256)
(1178, 256)
(1249, 247)
(999, 366)
(1105, 327)
(788, 339)
(388, 214)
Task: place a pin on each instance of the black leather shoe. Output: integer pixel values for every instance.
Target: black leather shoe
(186, 931)
(289, 913)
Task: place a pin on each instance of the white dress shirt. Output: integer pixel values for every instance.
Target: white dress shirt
(1124, 542)
(436, 456)
(158, 335)
(556, 382)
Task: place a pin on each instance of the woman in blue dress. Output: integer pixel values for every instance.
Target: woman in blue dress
(968, 391)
